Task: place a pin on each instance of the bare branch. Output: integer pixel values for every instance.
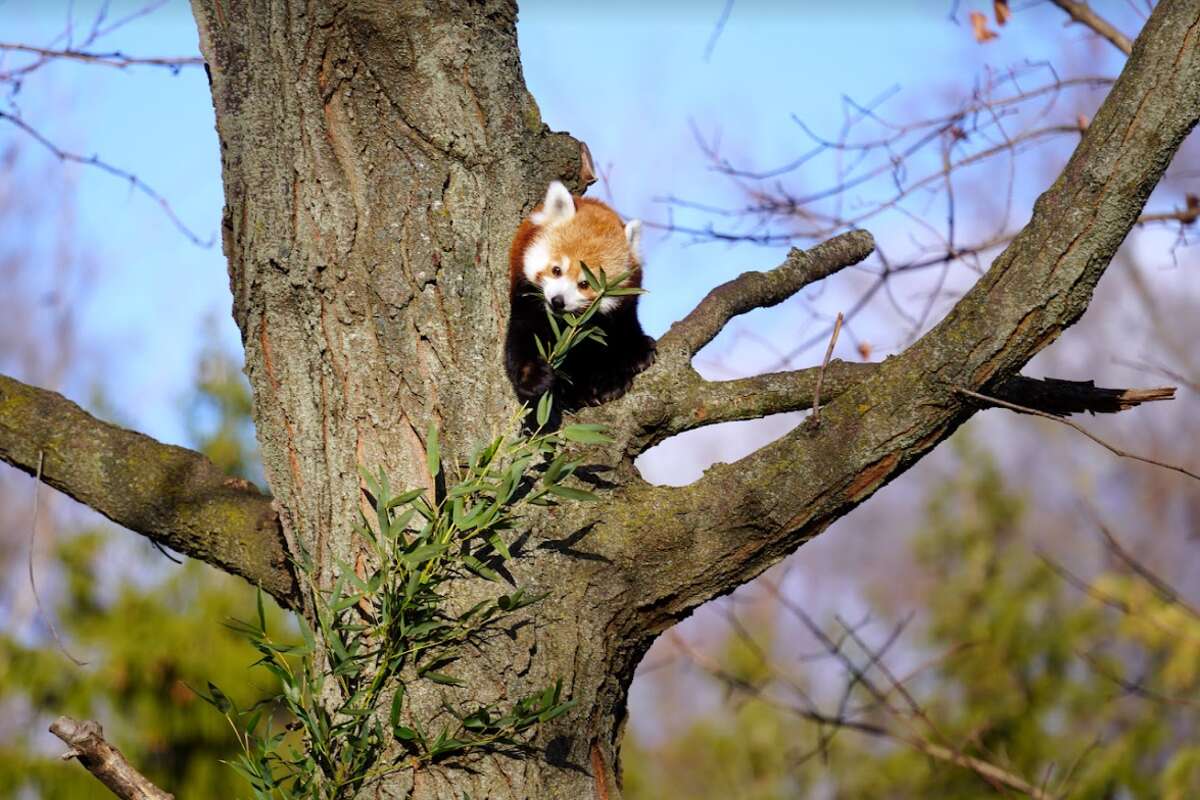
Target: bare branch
(752, 290)
(115, 58)
(1165, 591)
(1106, 445)
(692, 402)
(1184, 216)
(107, 763)
(171, 495)
(37, 598)
(841, 720)
(740, 518)
(1082, 13)
(1062, 398)
(687, 401)
(95, 161)
(717, 30)
(816, 411)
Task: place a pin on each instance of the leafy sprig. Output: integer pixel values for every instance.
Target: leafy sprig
(384, 628)
(571, 329)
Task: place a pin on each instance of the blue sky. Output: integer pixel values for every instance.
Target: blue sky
(628, 78)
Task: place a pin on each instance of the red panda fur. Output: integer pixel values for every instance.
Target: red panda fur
(594, 372)
(595, 231)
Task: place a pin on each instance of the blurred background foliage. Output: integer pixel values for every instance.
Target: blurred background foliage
(1090, 689)
(146, 642)
(981, 579)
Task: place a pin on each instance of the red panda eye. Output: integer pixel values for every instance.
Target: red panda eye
(556, 271)
(583, 284)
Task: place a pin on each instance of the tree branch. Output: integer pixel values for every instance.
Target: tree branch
(695, 402)
(107, 763)
(115, 58)
(752, 290)
(740, 518)
(1082, 13)
(171, 495)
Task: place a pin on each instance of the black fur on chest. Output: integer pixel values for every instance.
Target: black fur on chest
(593, 373)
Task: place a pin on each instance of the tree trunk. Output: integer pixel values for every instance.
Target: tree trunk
(377, 157)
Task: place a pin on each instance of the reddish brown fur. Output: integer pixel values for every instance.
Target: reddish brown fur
(595, 236)
(599, 368)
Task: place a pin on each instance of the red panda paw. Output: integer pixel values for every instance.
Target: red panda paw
(607, 394)
(647, 357)
(534, 379)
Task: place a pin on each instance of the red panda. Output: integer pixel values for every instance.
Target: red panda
(545, 272)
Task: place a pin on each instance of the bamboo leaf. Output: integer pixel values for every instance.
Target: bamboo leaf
(479, 568)
(443, 678)
(571, 493)
(433, 453)
(397, 703)
(592, 280)
(586, 434)
(499, 546)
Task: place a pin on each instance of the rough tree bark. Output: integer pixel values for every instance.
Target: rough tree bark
(376, 159)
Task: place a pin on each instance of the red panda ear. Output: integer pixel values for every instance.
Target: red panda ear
(557, 207)
(633, 235)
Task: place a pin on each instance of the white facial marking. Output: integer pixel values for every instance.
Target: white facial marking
(558, 207)
(562, 286)
(536, 256)
(608, 304)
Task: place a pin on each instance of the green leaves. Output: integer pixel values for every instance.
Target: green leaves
(384, 623)
(586, 434)
(578, 328)
(433, 453)
(571, 493)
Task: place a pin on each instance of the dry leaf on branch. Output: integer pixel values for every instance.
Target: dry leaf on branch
(1002, 11)
(979, 27)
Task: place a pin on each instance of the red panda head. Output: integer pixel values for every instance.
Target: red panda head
(565, 232)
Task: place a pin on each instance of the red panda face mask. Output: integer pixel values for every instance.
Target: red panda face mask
(570, 235)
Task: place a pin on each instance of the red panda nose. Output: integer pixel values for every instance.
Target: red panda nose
(558, 304)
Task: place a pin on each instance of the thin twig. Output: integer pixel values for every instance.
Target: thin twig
(37, 484)
(1109, 447)
(94, 161)
(837, 328)
(1134, 687)
(992, 774)
(998, 777)
(1164, 589)
(1109, 600)
(115, 58)
(107, 763)
(1082, 13)
(717, 30)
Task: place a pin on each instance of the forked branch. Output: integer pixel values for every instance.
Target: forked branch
(740, 518)
(693, 402)
(107, 763)
(1082, 13)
